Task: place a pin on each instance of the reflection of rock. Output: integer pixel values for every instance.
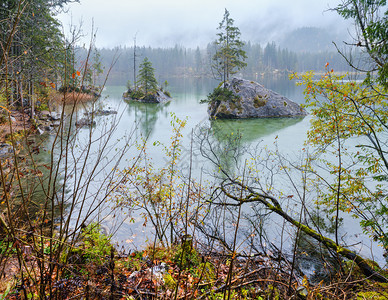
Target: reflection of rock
(254, 101)
(146, 115)
(250, 129)
(85, 122)
(101, 112)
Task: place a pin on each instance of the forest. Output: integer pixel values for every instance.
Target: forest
(179, 61)
(66, 171)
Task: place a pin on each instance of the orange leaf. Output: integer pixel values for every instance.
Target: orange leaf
(73, 75)
(52, 85)
(78, 73)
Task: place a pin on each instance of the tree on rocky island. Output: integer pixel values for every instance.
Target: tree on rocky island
(229, 56)
(238, 98)
(147, 82)
(146, 87)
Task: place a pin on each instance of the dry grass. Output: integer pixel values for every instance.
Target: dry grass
(71, 98)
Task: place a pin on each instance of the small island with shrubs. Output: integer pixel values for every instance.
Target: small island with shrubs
(147, 89)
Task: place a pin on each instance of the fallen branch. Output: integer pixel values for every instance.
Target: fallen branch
(274, 206)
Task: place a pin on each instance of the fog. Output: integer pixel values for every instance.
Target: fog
(190, 23)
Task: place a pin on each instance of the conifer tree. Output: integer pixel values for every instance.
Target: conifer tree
(229, 56)
(146, 78)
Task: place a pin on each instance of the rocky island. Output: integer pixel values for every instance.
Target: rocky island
(157, 96)
(146, 88)
(240, 99)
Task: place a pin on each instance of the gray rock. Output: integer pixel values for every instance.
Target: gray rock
(158, 97)
(162, 97)
(254, 101)
(26, 102)
(85, 122)
(5, 150)
(55, 116)
(101, 112)
(302, 292)
(45, 113)
(40, 131)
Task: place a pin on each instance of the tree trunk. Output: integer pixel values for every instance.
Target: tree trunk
(275, 207)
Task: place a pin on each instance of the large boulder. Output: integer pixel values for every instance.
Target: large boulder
(252, 100)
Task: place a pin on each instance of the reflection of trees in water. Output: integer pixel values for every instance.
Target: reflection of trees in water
(251, 129)
(146, 115)
(222, 149)
(225, 142)
(31, 188)
(35, 194)
(191, 85)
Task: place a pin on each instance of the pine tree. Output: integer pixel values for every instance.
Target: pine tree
(229, 56)
(146, 78)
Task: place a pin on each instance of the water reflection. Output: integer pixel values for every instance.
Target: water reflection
(228, 142)
(146, 115)
(251, 129)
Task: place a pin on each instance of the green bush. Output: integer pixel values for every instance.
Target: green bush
(42, 106)
(220, 94)
(95, 245)
(3, 117)
(167, 93)
(186, 256)
(136, 94)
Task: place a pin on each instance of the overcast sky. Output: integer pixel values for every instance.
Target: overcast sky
(164, 23)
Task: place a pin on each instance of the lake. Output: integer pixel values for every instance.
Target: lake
(153, 123)
(153, 120)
